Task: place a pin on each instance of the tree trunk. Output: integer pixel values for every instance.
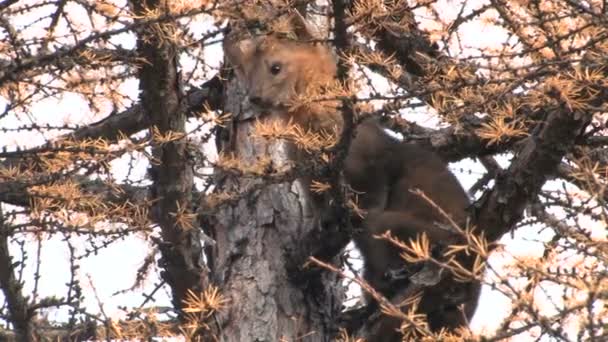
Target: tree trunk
(257, 241)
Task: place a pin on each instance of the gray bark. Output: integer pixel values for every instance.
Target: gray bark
(256, 241)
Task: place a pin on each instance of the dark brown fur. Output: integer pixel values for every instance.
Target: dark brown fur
(384, 170)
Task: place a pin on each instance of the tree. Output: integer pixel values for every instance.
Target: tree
(234, 245)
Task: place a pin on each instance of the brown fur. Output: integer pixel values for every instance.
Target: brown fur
(384, 170)
(379, 167)
(304, 68)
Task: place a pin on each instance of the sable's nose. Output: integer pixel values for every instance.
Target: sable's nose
(256, 100)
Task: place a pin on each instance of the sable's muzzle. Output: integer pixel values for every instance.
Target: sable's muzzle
(264, 104)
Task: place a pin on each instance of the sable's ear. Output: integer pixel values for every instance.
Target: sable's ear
(301, 27)
(239, 54)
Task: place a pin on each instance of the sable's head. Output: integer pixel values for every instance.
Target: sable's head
(275, 69)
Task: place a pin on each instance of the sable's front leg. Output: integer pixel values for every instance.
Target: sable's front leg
(406, 225)
(398, 274)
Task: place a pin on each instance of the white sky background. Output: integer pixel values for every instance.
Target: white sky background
(114, 268)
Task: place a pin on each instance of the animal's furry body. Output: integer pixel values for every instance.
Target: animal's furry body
(384, 170)
(380, 168)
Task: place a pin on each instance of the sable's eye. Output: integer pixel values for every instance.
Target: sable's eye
(275, 69)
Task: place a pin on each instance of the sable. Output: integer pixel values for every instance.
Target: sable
(379, 167)
(384, 170)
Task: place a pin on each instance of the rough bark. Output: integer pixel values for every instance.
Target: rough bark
(162, 99)
(252, 261)
(18, 307)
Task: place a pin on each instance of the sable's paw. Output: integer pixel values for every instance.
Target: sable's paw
(398, 274)
(329, 217)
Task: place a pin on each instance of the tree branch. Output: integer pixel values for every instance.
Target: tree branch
(18, 308)
(16, 193)
(500, 208)
(111, 128)
(172, 178)
(135, 119)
